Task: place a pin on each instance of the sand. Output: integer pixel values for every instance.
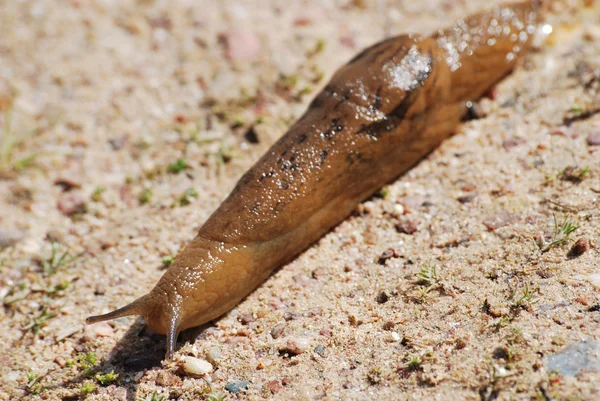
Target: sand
(457, 282)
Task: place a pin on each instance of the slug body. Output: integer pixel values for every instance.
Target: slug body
(378, 116)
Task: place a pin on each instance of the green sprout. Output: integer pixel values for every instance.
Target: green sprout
(36, 323)
(97, 194)
(527, 297)
(561, 233)
(106, 378)
(33, 385)
(413, 362)
(428, 275)
(177, 167)
(145, 196)
(87, 387)
(56, 259)
(167, 260)
(187, 196)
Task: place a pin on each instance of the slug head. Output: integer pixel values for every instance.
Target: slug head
(161, 316)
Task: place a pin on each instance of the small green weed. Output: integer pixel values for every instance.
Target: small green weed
(562, 232)
(107, 378)
(177, 167)
(56, 259)
(36, 323)
(33, 385)
(188, 196)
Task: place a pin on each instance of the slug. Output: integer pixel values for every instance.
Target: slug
(379, 115)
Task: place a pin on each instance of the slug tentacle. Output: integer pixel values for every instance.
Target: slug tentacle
(135, 308)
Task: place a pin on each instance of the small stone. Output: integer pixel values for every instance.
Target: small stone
(511, 143)
(236, 386)
(594, 280)
(387, 326)
(102, 329)
(388, 254)
(60, 361)
(594, 138)
(296, 345)
(196, 366)
(290, 315)
(460, 343)
(273, 386)
(213, 355)
(240, 45)
(579, 248)
(71, 204)
(382, 297)
(67, 184)
(395, 336)
(466, 198)
(251, 136)
(319, 350)
(168, 379)
(281, 330)
(9, 237)
(499, 220)
(246, 318)
(412, 202)
(117, 393)
(406, 227)
(575, 359)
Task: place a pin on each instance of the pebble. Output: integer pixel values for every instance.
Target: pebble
(579, 248)
(594, 139)
(412, 202)
(594, 280)
(196, 366)
(297, 345)
(387, 254)
(168, 379)
(102, 329)
(578, 357)
(9, 237)
(382, 297)
(499, 220)
(406, 227)
(246, 318)
(273, 386)
(213, 355)
(280, 330)
(236, 386)
(240, 45)
(71, 203)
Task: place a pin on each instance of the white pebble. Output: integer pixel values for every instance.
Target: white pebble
(594, 280)
(298, 345)
(196, 366)
(213, 355)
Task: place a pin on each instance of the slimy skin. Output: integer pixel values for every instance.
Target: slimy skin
(379, 115)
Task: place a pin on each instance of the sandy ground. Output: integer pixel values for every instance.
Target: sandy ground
(482, 299)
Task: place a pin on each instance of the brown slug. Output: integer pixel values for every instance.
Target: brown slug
(378, 116)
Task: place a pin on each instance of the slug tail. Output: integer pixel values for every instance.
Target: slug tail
(134, 308)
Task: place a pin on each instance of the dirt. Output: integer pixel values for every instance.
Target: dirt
(125, 123)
